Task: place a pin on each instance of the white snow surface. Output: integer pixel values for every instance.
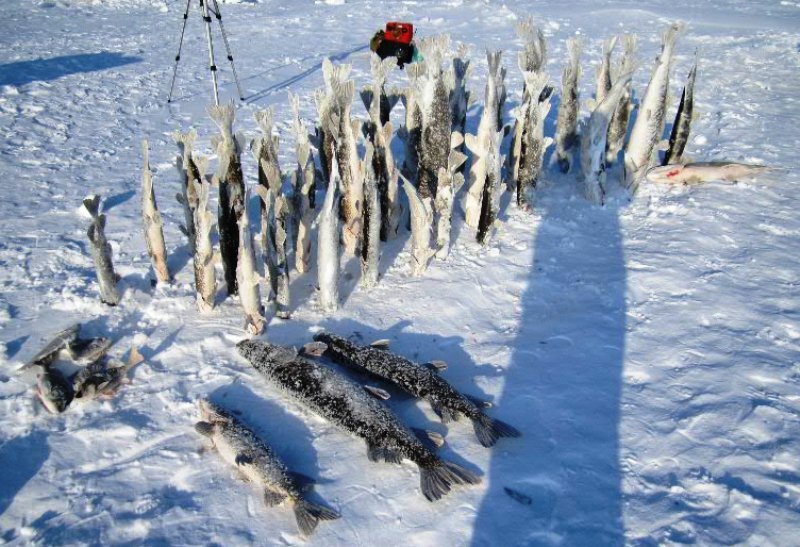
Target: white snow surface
(647, 350)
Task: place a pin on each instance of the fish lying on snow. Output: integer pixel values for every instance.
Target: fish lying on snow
(53, 389)
(101, 252)
(350, 407)
(420, 381)
(102, 380)
(240, 447)
(694, 173)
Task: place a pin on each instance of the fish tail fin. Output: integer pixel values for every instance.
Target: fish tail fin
(309, 514)
(488, 430)
(436, 481)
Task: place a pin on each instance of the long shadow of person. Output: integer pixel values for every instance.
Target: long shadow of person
(560, 483)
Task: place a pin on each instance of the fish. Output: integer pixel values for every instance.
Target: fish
(604, 71)
(594, 137)
(241, 448)
(231, 191)
(84, 351)
(695, 173)
(641, 152)
(530, 144)
(328, 245)
(533, 56)
(304, 191)
(189, 173)
(53, 389)
(478, 144)
(247, 279)
(204, 256)
(460, 97)
(100, 380)
(371, 236)
(101, 252)
(153, 225)
(420, 381)
(411, 132)
(421, 226)
(49, 353)
(280, 221)
(326, 106)
(449, 182)
(618, 127)
(351, 408)
(679, 135)
(489, 203)
(567, 118)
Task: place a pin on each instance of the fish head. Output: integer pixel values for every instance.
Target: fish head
(665, 174)
(264, 353)
(206, 429)
(54, 391)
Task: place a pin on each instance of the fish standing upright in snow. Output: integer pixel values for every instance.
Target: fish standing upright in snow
(421, 221)
(449, 182)
(641, 152)
(421, 381)
(205, 277)
(683, 120)
(604, 71)
(328, 246)
(101, 252)
(231, 191)
(246, 277)
(153, 226)
(280, 233)
(618, 127)
(239, 446)
(529, 143)
(371, 237)
(348, 406)
(567, 120)
(188, 170)
(304, 190)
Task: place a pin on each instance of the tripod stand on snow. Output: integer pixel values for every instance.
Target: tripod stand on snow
(206, 7)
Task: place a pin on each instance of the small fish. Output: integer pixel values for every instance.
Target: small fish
(247, 279)
(490, 204)
(328, 245)
(423, 382)
(694, 173)
(153, 225)
(240, 447)
(567, 119)
(683, 120)
(351, 408)
(84, 351)
(421, 227)
(101, 252)
(54, 390)
(618, 127)
(604, 70)
(280, 221)
(203, 258)
(99, 380)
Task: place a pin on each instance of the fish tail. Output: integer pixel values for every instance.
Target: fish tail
(309, 514)
(488, 430)
(436, 481)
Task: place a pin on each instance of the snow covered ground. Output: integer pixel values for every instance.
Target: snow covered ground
(648, 350)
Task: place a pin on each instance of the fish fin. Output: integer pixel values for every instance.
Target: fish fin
(92, 204)
(431, 439)
(303, 482)
(273, 498)
(489, 430)
(436, 366)
(134, 357)
(366, 96)
(471, 142)
(378, 393)
(436, 481)
(309, 514)
(383, 454)
(383, 343)
(206, 429)
(315, 349)
(445, 414)
(183, 230)
(456, 139)
(243, 458)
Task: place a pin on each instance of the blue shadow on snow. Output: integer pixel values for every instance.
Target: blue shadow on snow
(25, 72)
(560, 482)
(20, 459)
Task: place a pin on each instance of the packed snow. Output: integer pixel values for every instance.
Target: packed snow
(648, 350)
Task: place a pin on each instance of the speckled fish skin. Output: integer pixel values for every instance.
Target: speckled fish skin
(420, 381)
(240, 447)
(153, 225)
(681, 128)
(348, 406)
(566, 139)
(101, 252)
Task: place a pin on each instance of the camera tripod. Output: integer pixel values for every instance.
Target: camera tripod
(206, 7)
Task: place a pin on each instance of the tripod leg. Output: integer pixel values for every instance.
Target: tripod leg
(227, 47)
(212, 65)
(180, 47)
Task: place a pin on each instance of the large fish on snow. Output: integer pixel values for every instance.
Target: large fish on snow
(695, 173)
(240, 447)
(350, 407)
(421, 381)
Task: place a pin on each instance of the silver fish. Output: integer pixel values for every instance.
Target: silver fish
(304, 191)
(679, 135)
(449, 183)
(240, 447)
(153, 225)
(101, 252)
(529, 143)
(187, 169)
(567, 119)
(420, 381)
(695, 173)
(49, 353)
(348, 406)
(328, 245)
(204, 257)
(85, 351)
(421, 227)
(280, 221)
(489, 203)
(641, 152)
(618, 127)
(247, 279)
(604, 71)
(411, 132)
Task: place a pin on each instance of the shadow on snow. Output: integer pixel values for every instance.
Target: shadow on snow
(25, 72)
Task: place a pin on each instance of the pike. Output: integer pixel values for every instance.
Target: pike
(679, 135)
(421, 219)
(371, 236)
(351, 408)
(99, 380)
(420, 381)
(593, 142)
(85, 351)
(618, 127)
(241, 448)
(268, 194)
(460, 97)
(567, 119)
(328, 246)
(641, 152)
(327, 105)
(695, 173)
(604, 71)
(231, 191)
(101, 252)
(153, 225)
(189, 173)
(246, 277)
(204, 257)
(489, 203)
(449, 182)
(53, 389)
(411, 132)
(280, 219)
(533, 57)
(304, 190)
(529, 143)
